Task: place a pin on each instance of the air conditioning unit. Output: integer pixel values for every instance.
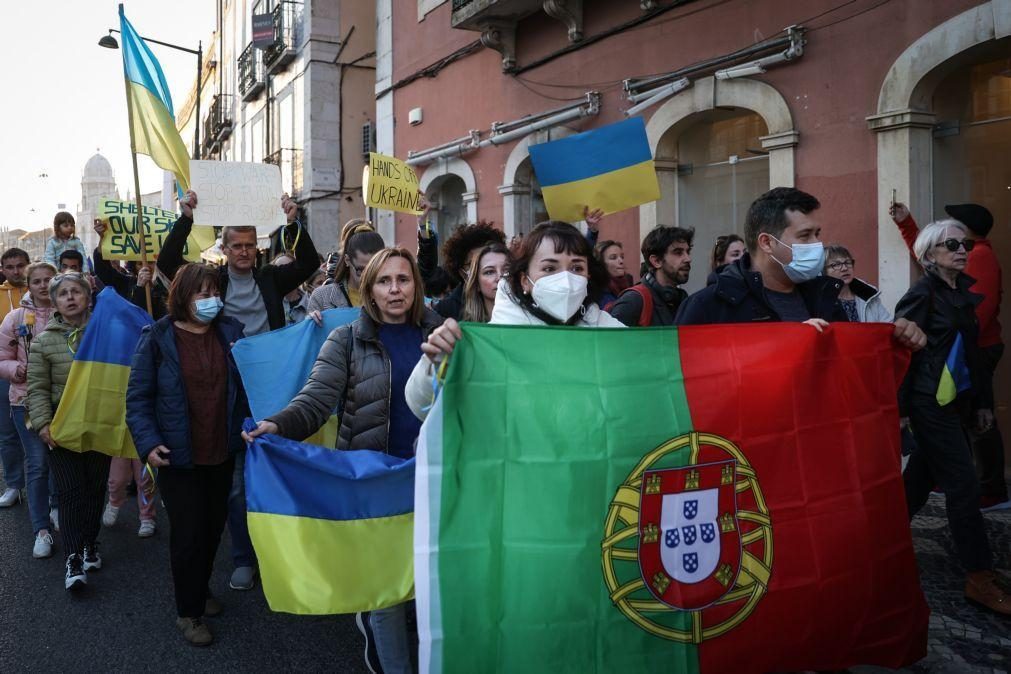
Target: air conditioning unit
(368, 139)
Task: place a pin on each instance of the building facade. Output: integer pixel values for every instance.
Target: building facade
(97, 182)
(299, 103)
(857, 103)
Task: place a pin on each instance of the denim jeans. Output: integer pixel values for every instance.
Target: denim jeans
(389, 629)
(242, 546)
(37, 469)
(12, 454)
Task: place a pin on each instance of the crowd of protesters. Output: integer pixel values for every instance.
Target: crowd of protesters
(185, 402)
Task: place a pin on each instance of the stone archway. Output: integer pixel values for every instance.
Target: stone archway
(443, 168)
(904, 123)
(708, 94)
(515, 192)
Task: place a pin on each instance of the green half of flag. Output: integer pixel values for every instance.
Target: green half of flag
(709, 499)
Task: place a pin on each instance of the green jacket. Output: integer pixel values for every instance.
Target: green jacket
(49, 363)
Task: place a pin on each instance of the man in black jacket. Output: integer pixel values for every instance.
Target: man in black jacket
(254, 297)
(667, 252)
(779, 278)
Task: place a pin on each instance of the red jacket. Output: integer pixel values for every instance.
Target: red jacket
(982, 266)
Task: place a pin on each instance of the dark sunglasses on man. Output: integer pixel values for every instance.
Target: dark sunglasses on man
(953, 244)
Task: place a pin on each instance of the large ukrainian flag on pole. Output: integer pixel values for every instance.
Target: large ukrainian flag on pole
(610, 168)
(92, 412)
(152, 118)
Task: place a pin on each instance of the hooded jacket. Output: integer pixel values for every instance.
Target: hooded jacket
(10, 297)
(365, 422)
(738, 296)
(49, 362)
(157, 407)
(17, 331)
(870, 308)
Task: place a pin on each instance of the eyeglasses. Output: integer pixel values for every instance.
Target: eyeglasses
(842, 264)
(953, 244)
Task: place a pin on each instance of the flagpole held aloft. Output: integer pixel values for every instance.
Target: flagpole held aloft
(141, 225)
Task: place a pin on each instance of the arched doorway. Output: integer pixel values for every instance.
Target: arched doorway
(522, 201)
(446, 196)
(719, 168)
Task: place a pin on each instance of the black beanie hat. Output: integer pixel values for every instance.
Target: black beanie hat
(975, 217)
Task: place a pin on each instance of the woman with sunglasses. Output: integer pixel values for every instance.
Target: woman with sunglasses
(943, 395)
(860, 300)
(80, 475)
(359, 242)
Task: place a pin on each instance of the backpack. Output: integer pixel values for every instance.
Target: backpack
(646, 315)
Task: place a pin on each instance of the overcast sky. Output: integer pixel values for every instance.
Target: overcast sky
(64, 97)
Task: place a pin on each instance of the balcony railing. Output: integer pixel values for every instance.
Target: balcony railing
(218, 123)
(289, 160)
(251, 78)
(282, 51)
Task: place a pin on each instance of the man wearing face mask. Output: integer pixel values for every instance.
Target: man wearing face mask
(656, 298)
(779, 278)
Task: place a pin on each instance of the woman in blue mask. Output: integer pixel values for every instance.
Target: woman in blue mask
(185, 407)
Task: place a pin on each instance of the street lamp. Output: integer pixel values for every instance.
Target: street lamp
(109, 42)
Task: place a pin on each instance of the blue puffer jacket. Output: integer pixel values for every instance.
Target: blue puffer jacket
(156, 402)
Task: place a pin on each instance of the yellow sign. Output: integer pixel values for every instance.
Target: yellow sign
(121, 242)
(391, 184)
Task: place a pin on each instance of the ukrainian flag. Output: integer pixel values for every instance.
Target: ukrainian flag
(610, 168)
(154, 126)
(92, 412)
(275, 365)
(333, 531)
(955, 375)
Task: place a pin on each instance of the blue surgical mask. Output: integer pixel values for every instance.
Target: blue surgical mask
(808, 261)
(207, 308)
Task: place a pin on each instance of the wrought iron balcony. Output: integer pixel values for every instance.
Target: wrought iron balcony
(251, 78)
(282, 51)
(289, 160)
(218, 123)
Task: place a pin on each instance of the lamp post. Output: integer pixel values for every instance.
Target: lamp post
(109, 42)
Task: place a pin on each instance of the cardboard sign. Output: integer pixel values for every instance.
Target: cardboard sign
(122, 242)
(391, 184)
(237, 194)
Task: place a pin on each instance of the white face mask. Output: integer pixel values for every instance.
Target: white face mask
(561, 294)
(808, 261)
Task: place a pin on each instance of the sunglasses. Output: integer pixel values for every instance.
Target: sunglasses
(953, 244)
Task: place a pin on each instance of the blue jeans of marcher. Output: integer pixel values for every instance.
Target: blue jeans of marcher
(36, 469)
(12, 454)
(389, 629)
(242, 547)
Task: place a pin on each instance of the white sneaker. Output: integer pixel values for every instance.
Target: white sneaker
(10, 497)
(54, 517)
(147, 528)
(110, 515)
(43, 546)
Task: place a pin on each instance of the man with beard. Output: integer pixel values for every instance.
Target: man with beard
(14, 263)
(667, 252)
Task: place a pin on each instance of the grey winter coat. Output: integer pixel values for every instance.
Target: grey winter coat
(365, 423)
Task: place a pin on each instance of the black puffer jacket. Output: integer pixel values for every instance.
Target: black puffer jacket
(365, 423)
(942, 312)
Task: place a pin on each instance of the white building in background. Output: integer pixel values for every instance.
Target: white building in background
(305, 103)
(97, 182)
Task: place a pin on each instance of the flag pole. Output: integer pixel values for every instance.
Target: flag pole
(141, 227)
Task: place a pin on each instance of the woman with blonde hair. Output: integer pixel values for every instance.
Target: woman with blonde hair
(487, 267)
(359, 242)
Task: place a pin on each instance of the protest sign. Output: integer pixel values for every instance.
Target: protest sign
(122, 242)
(237, 194)
(391, 184)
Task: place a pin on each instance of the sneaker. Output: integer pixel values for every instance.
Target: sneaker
(989, 504)
(371, 654)
(981, 588)
(243, 578)
(43, 546)
(195, 631)
(147, 528)
(110, 515)
(54, 517)
(212, 607)
(92, 560)
(76, 576)
(10, 497)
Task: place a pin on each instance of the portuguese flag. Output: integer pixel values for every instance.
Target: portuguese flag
(712, 498)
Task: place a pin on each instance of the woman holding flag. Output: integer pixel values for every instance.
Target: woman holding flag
(80, 475)
(944, 393)
(184, 406)
(16, 333)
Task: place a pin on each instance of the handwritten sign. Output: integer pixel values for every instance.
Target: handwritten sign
(121, 240)
(237, 194)
(391, 185)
